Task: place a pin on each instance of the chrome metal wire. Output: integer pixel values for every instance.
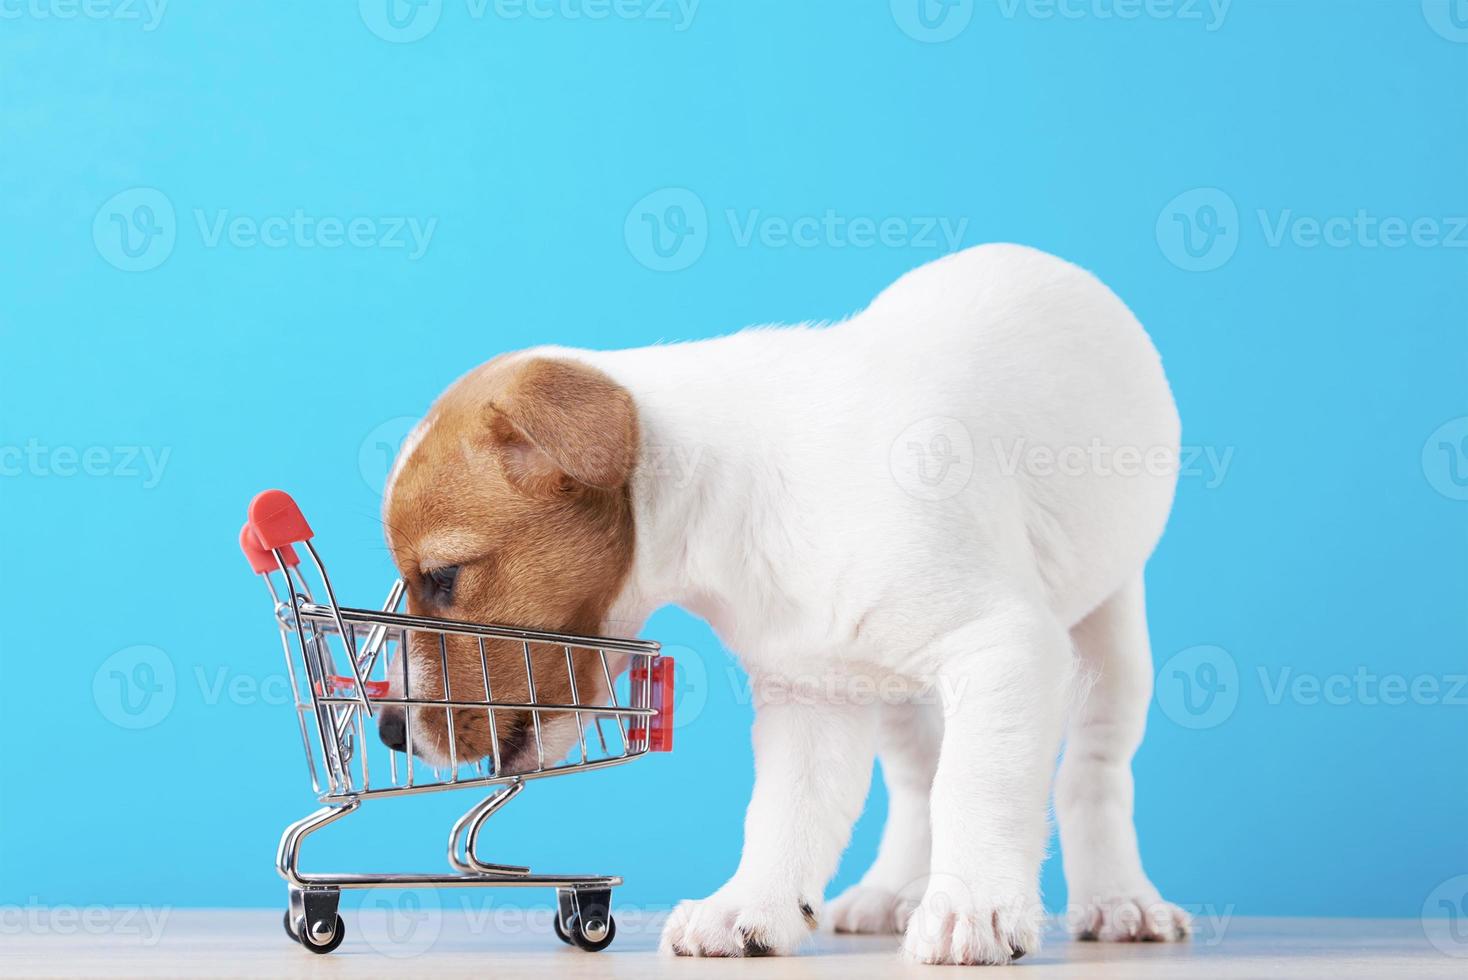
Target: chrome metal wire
(384, 653)
(390, 662)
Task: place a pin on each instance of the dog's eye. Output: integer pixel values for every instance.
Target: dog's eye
(440, 582)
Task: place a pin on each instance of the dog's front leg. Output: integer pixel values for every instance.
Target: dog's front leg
(813, 765)
(1004, 686)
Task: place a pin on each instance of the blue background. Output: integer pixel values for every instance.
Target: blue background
(1334, 541)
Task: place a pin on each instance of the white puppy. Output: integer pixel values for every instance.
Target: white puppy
(922, 531)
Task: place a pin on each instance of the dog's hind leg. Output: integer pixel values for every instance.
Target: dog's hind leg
(886, 895)
(1004, 679)
(1111, 897)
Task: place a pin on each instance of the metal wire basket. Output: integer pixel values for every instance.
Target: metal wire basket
(620, 702)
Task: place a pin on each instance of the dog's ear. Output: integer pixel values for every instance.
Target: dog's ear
(559, 426)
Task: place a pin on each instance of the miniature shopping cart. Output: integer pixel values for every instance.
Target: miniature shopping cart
(337, 660)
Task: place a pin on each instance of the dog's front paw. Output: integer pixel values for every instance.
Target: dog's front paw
(870, 910)
(972, 932)
(729, 923)
(1142, 917)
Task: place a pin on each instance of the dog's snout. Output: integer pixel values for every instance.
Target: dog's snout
(513, 745)
(393, 730)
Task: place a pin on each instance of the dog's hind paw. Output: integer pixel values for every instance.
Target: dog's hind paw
(1129, 919)
(869, 910)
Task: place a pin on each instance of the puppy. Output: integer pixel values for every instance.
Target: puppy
(922, 531)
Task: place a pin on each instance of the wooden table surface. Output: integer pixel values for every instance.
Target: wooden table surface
(507, 943)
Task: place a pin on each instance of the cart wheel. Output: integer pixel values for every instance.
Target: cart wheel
(289, 930)
(316, 944)
(561, 933)
(594, 936)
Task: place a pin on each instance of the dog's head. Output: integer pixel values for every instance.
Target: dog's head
(509, 504)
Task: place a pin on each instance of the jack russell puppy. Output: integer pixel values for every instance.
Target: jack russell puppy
(921, 530)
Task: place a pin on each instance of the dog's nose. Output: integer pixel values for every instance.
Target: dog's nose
(392, 730)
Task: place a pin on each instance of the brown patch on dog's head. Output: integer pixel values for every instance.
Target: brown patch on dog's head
(510, 505)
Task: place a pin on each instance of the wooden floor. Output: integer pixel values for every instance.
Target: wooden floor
(503, 943)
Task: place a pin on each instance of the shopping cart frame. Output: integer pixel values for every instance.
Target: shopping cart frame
(336, 708)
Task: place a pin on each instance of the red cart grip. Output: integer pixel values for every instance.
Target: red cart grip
(277, 520)
(260, 558)
(660, 735)
(336, 684)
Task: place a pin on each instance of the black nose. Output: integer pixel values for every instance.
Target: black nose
(392, 730)
(513, 748)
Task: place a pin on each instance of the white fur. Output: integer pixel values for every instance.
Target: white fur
(405, 454)
(799, 524)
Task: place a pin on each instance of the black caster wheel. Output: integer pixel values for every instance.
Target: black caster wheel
(316, 944)
(289, 930)
(592, 937)
(561, 933)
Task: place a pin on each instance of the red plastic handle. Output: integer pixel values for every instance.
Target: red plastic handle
(660, 735)
(260, 558)
(336, 684)
(277, 520)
